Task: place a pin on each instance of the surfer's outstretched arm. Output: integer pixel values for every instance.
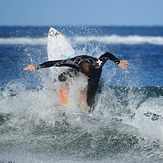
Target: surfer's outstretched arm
(104, 58)
(43, 65)
(56, 63)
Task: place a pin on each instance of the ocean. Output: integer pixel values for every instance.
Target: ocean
(127, 123)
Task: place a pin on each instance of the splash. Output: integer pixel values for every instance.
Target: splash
(34, 120)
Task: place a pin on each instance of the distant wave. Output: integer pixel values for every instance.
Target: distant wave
(112, 39)
(115, 39)
(24, 41)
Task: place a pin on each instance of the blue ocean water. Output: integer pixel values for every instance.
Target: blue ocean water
(126, 125)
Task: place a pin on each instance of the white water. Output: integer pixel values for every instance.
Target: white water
(43, 104)
(29, 108)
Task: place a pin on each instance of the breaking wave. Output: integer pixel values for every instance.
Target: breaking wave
(125, 123)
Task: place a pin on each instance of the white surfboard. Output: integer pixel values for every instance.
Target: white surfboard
(58, 46)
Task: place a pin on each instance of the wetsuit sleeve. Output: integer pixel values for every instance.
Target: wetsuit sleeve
(59, 63)
(110, 56)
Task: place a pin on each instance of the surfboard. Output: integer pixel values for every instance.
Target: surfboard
(58, 48)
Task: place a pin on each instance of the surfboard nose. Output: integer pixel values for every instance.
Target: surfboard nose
(51, 28)
(53, 32)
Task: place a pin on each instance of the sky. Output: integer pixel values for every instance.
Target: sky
(81, 12)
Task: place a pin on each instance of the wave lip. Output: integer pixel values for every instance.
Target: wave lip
(115, 39)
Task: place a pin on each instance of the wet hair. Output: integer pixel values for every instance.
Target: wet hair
(84, 67)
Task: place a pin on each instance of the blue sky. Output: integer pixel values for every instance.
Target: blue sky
(81, 12)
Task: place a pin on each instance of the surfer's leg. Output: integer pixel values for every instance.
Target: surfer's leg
(91, 97)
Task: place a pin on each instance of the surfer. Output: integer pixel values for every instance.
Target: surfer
(91, 67)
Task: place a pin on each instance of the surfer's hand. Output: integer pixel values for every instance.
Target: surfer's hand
(30, 68)
(123, 64)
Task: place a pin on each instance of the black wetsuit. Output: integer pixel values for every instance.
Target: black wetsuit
(95, 70)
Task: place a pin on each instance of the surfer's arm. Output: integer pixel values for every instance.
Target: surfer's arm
(43, 65)
(48, 64)
(120, 63)
(56, 63)
(109, 56)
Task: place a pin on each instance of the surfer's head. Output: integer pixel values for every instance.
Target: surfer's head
(84, 67)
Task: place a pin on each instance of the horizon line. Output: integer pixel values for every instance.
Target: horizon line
(82, 25)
